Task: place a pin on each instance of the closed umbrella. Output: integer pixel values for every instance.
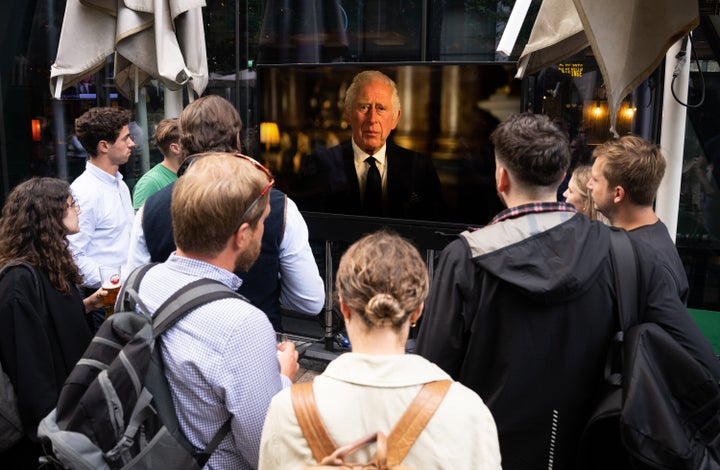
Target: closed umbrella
(629, 38)
(160, 39)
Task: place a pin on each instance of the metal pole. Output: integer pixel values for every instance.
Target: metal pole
(672, 135)
(173, 102)
(329, 340)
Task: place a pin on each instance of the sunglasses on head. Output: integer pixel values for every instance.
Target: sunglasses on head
(271, 182)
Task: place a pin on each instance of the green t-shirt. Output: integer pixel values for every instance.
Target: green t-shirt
(154, 180)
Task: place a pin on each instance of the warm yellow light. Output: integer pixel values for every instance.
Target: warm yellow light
(597, 111)
(269, 134)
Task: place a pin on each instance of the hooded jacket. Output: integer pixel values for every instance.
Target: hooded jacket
(522, 312)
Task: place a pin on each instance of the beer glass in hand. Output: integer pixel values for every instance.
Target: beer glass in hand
(110, 281)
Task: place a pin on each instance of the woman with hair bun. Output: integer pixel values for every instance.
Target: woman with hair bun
(382, 283)
(43, 326)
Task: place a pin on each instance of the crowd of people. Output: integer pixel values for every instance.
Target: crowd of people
(517, 317)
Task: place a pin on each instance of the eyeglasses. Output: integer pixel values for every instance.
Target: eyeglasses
(271, 182)
(74, 204)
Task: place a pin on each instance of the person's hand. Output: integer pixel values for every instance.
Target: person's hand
(96, 300)
(288, 358)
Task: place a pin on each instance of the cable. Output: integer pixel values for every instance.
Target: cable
(676, 71)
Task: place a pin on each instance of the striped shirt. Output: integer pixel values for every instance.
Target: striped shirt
(220, 360)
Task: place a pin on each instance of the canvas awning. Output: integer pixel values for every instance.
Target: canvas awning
(629, 38)
(161, 39)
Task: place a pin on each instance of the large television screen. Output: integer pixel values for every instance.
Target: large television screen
(448, 113)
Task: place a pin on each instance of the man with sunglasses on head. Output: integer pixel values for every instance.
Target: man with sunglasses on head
(285, 273)
(221, 359)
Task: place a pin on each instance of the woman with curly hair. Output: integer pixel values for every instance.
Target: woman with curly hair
(382, 282)
(43, 329)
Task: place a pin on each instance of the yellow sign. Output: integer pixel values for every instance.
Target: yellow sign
(574, 69)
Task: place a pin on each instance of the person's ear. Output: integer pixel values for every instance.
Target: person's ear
(415, 316)
(241, 235)
(344, 309)
(396, 120)
(175, 148)
(619, 195)
(103, 146)
(503, 179)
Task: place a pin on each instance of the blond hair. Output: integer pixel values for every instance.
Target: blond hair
(209, 201)
(383, 279)
(635, 164)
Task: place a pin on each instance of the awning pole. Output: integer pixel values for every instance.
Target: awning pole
(672, 135)
(513, 27)
(173, 102)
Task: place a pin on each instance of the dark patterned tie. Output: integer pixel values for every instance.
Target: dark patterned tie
(372, 204)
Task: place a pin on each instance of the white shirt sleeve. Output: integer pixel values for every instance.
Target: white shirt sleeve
(302, 289)
(138, 253)
(80, 242)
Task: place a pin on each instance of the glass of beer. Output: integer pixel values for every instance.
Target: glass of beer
(110, 281)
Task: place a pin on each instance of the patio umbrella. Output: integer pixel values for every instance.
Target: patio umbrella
(160, 39)
(628, 37)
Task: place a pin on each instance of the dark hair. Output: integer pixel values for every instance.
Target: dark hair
(534, 149)
(32, 230)
(209, 124)
(98, 124)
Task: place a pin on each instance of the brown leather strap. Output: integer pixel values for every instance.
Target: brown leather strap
(399, 441)
(306, 411)
(414, 420)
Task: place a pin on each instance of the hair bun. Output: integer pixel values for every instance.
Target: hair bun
(384, 310)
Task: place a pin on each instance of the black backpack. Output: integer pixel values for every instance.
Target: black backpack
(115, 409)
(661, 407)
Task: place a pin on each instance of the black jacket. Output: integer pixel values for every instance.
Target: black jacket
(522, 312)
(41, 339)
(413, 186)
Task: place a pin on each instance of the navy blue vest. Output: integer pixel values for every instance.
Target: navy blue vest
(261, 285)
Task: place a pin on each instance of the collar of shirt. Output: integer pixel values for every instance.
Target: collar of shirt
(195, 267)
(532, 208)
(103, 175)
(361, 167)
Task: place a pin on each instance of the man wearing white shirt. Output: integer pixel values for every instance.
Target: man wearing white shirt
(106, 208)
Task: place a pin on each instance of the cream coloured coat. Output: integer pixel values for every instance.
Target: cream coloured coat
(359, 394)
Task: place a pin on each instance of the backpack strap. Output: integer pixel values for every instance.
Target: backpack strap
(413, 421)
(311, 425)
(624, 264)
(188, 298)
(128, 297)
(399, 441)
(183, 301)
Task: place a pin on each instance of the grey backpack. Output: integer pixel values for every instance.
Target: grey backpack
(115, 410)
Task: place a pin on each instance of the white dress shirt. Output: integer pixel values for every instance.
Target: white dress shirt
(361, 167)
(106, 218)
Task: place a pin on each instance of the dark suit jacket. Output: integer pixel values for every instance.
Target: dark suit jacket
(413, 186)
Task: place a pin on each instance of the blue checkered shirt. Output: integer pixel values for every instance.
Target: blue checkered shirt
(220, 360)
